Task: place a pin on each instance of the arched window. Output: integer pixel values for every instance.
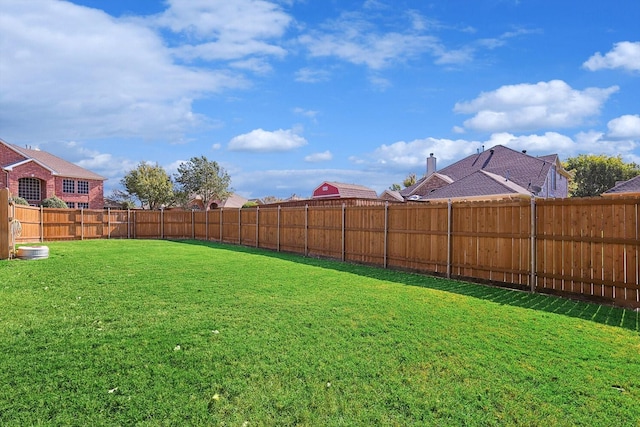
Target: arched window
(30, 189)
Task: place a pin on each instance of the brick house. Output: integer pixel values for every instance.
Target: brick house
(36, 175)
(497, 173)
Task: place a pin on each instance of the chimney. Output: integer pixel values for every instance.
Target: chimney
(431, 164)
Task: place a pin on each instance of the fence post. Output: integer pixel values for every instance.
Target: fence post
(257, 225)
(193, 224)
(108, 223)
(81, 223)
(4, 223)
(533, 244)
(306, 229)
(343, 231)
(41, 224)
(161, 222)
(278, 238)
(386, 233)
(240, 226)
(449, 237)
(128, 223)
(221, 211)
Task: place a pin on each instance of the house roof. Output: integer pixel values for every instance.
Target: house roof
(513, 166)
(631, 186)
(233, 201)
(478, 183)
(392, 195)
(55, 164)
(415, 188)
(352, 190)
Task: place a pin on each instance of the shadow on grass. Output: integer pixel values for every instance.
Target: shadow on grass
(603, 314)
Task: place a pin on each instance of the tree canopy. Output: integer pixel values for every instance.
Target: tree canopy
(410, 180)
(150, 184)
(595, 174)
(204, 178)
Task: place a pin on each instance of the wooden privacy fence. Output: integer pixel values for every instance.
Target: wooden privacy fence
(580, 247)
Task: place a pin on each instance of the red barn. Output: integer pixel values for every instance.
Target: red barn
(338, 190)
(36, 175)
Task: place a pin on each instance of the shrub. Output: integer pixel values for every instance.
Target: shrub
(54, 202)
(18, 201)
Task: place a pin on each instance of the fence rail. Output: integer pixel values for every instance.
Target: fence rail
(573, 247)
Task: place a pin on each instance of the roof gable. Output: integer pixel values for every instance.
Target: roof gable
(425, 184)
(56, 165)
(521, 168)
(477, 184)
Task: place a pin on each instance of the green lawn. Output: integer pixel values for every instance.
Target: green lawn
(133, 332)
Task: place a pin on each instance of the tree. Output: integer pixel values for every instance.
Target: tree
(271, 199)
(410, 180)
(395, 187)
(595, 174)
(150, 184)
(204, 178)
(120, 199)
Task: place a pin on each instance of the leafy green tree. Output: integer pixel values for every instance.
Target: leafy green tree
(595, 174)
(54, 202)
(410, 180)
(204, 178)
(395, 187)
(150, 184)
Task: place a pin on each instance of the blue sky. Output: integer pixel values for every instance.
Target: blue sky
(286, 94)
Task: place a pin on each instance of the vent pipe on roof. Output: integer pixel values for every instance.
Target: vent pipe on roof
(431, 164)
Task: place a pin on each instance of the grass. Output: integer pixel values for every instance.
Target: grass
(153, 333)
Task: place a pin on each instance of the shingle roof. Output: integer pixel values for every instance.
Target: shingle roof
(57, 165)
(513, 166)
(422, 183)
(354, 190)
(523, 169)
(630, 186)
(478, 183)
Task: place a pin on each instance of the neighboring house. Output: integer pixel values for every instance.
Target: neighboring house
(499, 172)
(391, 196)
(36, 175)
(233, 201)
(338, 190)
(625, 188)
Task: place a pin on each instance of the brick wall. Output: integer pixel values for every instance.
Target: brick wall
(95, 197)
(8, 156)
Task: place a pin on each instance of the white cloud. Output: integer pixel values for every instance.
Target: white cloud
(308, 75)
(311, 114)
(403, 155)
(552, 104)
(548, 143)
(84, 74)
(624, 55)
(627, 126)
(376, 51)
(319, 157)
(260, 140)
(225, 29)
